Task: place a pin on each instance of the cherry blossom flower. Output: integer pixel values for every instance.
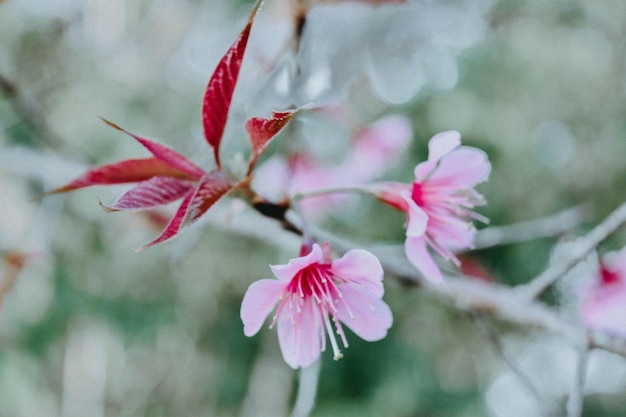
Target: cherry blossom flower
(439, 202)
(603, 303)
(311, 292)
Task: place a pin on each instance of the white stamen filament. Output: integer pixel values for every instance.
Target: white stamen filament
(444, 252)
(323, 337)
(340, 332)
(333, 340)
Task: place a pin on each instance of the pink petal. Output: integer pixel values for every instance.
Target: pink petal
(361, 268)
(213, 186)
(452, 232)
(164, 153)
(392, 193)
(462, 168)
(376, 147)
(175, 224)
(219, 91)
(130, 170)
(299, 335)
(417, 253)
(607, 312)
(151, 193)
(364, 313)
(286, 272)
(309, 174)
(615, 261)
(261, 131)
(258, 302)
(271, 178)
(438, 146)
(418, 219)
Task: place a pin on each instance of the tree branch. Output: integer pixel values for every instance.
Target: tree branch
(549, 226)
(580, 249)
(27, 111)
(462, 293)
(577, 395)
(488, 298)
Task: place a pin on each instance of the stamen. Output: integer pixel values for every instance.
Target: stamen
(323, 337)
(444, 252)
(340, 332)
(333, 341)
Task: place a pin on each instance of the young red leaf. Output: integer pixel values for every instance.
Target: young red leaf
(130, 170)
(213, 186)
(151, 193)
(175, 224)
(164, 153)
(219, 91)
(261, 131)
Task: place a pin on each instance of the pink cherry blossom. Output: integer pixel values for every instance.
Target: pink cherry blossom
(603, 303)
(439, 202)
(313, 293)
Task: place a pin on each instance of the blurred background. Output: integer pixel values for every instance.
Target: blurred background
(90, 327)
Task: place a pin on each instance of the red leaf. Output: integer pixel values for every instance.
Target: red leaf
(164, 153)
(213, 186)
(175, 224)
(261, 131)
(219, 91)
(130, 170)
(151, 193)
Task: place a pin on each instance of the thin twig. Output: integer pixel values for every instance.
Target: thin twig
(14, 262)
(28, 111)
(351, 189)
(577, 396)
(464, 294)
(580, 249)
(549, 226)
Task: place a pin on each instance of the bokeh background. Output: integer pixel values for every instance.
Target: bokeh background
(91, 327)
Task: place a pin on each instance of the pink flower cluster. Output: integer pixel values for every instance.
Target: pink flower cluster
(312, 291)
(314, 295)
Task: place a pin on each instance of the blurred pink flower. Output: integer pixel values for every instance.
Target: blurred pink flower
(603, 304)
(373, 150)
(312, 290)
(439, 202)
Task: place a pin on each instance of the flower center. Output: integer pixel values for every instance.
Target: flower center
(608, 277)
(316, 286)
(418, 194)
